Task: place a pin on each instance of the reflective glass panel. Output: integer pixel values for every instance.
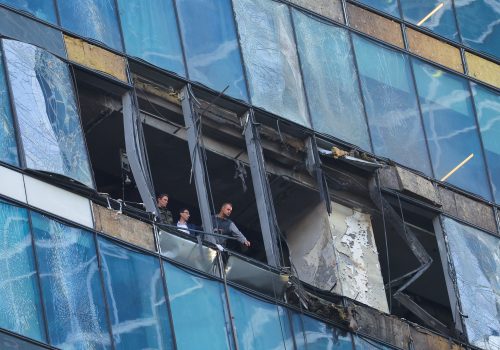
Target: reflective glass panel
(94, 19)
(488, 113)
(134, 290)
(331, 85)
(8, 146)
(476, 260)
(71, 285)
(311, 334)
(197, 303)
(259, 324)
(20, 309)
(367, 344)
(479, 25)
(435, 15)
(211, 46)
(47, 112)
(391, 104)
(270, 55)
(452, 133)
(388, 6)
(43, 9)
(150, 32)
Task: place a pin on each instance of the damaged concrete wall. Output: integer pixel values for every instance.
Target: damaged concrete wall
(338, 253)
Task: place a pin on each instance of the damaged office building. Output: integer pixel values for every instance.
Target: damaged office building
(357, 141)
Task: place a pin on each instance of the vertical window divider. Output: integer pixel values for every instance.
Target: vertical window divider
(103, 288)
(344, 12)
(120, 29)
(228, 302)
(497, 218)
(56, 10)
(39, 283)
(181, 38)
(290, 323)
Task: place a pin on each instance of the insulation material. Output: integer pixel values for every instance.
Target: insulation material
(475, 257)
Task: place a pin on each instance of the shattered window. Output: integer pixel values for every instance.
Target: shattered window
(197, 303)
(211, 45)
(20, 309)
(71, 285)
(134, 290)
(8, 147)
(488, 113)
(452, 134)
(331, 85)
(270, 55)
(388, 6)
(311, 334)
(42, 9)
(476, 260)
(94, 19)
(391, 104)
(47, 112)
(259, 324)
(150, 32)
(435, 15)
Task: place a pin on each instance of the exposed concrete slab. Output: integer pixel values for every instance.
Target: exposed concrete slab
(417, 185)
(389, 178)
(425, 339)
(123, 227)
(448, 201)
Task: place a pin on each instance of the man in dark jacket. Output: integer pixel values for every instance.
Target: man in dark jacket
(164, 215)
(224, 226)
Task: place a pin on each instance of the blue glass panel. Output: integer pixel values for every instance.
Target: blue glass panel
(71, 285)
(475, 256)
(435, 15)
(94, 19)
(259, 324)
(367, 344)
(20, 309)
(197, 303)
(452, 133)
(47, 113)
(391, 104)
(311, 334)
(211, 46)
(479, 25)
(43, 9)
(331, 85)
(134, 290)
(388, 6)
(150, 32)
(8, 147)
(488, 113)
(271, 61)
(9, 342)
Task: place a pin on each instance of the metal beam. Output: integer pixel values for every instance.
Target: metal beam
(265, 206)
(313, 164)
(198, 170)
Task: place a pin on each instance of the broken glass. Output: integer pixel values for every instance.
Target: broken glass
(452, 133)
(8, 146)
(475, 256)
(20, 309)
(488, 114)
(388, 6)
(150, 33)
(271, 61)
(71, 285)
(331, 85)
(391, 104)
(312, 334)
(42, 9)
(47, 112)
(136, 301)
(259, 324)
(197, 303)
(94, 19)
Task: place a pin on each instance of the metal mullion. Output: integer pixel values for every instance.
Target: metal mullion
(181, 38)
(56, 10)
(119, 22)
(228, 301)
(290, 324)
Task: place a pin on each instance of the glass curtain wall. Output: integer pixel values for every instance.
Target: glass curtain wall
(311, 334)
(388, 6)
(8, 146)
(43, 9)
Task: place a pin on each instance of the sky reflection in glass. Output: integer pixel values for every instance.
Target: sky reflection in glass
(312, 334)
(43, 9)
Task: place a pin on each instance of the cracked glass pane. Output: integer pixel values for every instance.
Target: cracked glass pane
(312, 334)
(197, 303)
(150, 32)
(47, 112)
(391, 104)
(134, 290)
(452, 133)
(271, 61)
(331, 85)
(211, 46)
(71, 285)
(94, 19)
(475, 256)
(42, 9)
(8, 146)
(20, 309)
